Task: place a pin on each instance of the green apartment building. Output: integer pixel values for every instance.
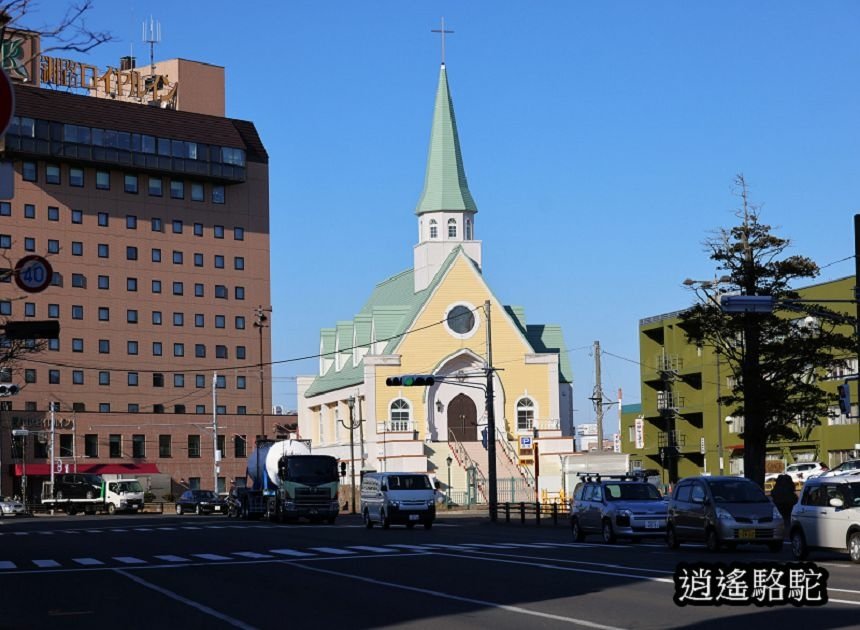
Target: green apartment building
(680, 429)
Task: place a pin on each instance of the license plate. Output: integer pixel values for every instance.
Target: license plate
(746, 533)
(413, 517)
(217, 508)
(652, 525)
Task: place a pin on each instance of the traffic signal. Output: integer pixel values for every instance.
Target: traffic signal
(844, 398)
(8, 390)
(46, 329)
(410, 380)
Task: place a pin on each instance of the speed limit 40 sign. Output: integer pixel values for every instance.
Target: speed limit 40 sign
(33, 273)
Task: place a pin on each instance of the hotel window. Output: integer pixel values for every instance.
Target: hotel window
(177, 189)
(53, 213)
(452, 228)
(239, 263)
(77, 344)
(220, 291)
(29, 244)
(91, 445)
(219, 261)
(178, 319)
(138, 446)
(220, 352)
(115, 442)
(198, 260)
(198, 290)
(131, 316)
(77, 377)
(54, 377)
(133, 407)
(156, 349)
(53, 246)
(239, 293)
(103, 250)
(53, 310)
(240, 322)
(131, 347)
(104, 314)
(131, 284)
(199, 320)
(239, 446)
(29, 211)
(54, 345)
(29, 309)
(77, 311)
(221, 382)
(158, 380)
(28, 171)
(77, 248)
(103, 219)
(104, 346)
(131, 222)
(104, 282)
(133, 379)
(200, 381)
(193, 446)
(156, 286)
(131, 252)
(104, 407)
(177, 226)
(52, 174)
(76, 177)
(240, 352)
(102, 180)
(177, 258)
(130, 184)
(179, 349)
(104, 378)
(197, 193)
(5, 209)
(241, 382)
(157, 225)
(179, 380)
(238, 234)
(77, 216)
(79, 281)
(219, 231)
(155, 187)
(156, 318)
(164, 446)
(220, 321)
(218, 195)
(178, 288)
(156, 255)
(200, 350)
(198, 229)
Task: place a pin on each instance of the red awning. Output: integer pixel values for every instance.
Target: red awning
(94, 469)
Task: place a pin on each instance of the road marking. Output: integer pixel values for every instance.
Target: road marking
(189, 602)
(251, 554)
(46, 564)
(118, 529)
(88, 562)
(498, 546)
(333, 550)
(170, 558)
(191, 527)
(565, 561)
(7, 564)
(47, 533)
(373, 549)
(167, 529)
(459, 598)
(292, 552)
(21, 533)
(842, 590)
(842, 601)
(143, 529)
(209, 556)
(413, 547)
(129, 560)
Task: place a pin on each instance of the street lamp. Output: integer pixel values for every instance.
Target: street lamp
(351, 426)
(23, 433)
(449, 460)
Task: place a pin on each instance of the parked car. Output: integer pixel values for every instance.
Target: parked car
(722, 511)
(848, 467)
(827, 516)
(11, 507)
(397, 497)
(800, 472)
(200, 502)
(77, 486)
(617, 506)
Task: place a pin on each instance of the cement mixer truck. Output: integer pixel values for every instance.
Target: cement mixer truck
(288, 483)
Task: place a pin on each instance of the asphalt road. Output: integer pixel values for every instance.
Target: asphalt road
(148, 571)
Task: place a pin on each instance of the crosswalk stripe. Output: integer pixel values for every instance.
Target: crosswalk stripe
(47, 533)
(129, 560)
(170, 558)
(333, 551)
(413, 547)
(46, 564)
(7, 564)
(21, 533)
(190, 527)
(373, 549)
(167, 529)
(87, 562)
(251, 554)
(119, 529)
(292, 552)
(143, 529)
(209, 556)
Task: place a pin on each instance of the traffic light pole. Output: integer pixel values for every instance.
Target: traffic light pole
(491, 422)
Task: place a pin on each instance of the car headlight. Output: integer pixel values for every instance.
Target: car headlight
(622, 518)
(723, 514)
(394, 504)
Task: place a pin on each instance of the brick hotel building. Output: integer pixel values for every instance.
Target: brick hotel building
(154, 215)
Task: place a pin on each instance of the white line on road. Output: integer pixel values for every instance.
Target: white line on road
(842, 601)
(129, 560)
(7, 564)
(373, 549)
(189, 602)
(333, 551)
(46, 564)
(209, 556)
(170, 558)
(605, 565)
(413, 547)
(459, 598)
(88, 562)
(251, 554)
(292, 552)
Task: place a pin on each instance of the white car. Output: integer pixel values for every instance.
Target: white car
(849, 467)
(800, 472)
(827, 517)
(11, 507)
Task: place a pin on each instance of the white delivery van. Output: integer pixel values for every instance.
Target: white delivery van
(404, 498)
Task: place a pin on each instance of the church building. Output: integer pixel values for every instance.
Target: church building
(441, 318)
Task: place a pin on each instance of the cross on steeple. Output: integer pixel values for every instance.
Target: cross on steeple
(442, 32)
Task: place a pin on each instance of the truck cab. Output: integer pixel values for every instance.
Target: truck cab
(123, 495)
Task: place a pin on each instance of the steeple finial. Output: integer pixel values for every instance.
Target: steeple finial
(442, 32)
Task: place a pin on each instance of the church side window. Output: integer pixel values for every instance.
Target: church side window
(398, 415)
(525, 414)
(321, 426)
(337, 424)
(434, 229)
(452, 228)
(468, 230)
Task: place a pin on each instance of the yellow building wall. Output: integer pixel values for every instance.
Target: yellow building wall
(422, 351)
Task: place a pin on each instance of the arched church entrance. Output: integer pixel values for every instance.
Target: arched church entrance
(463, 418)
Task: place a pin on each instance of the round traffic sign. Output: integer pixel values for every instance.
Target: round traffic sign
(33, 273)
(7, 101)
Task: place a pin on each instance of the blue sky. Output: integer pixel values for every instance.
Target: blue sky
(600, 141)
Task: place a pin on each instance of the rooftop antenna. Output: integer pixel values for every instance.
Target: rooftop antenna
(152, 38)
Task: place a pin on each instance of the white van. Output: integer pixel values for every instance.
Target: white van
(398, 497)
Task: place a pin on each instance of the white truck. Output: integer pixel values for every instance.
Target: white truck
(81, 492)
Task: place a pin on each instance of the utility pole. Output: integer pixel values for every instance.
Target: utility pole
(52, 405)
(215, 455)
(597, 398)
(491, 421)
(857, 301)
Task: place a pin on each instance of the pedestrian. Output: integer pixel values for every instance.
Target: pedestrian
(784, 498)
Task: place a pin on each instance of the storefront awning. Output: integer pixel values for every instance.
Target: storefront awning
(94, 469)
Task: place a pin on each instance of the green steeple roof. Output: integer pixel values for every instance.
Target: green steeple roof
(445, 186)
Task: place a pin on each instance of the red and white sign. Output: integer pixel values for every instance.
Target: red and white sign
(7, 101)
(33, 273)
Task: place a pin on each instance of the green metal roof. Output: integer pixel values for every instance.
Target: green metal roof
(548, 338)
(445, 186)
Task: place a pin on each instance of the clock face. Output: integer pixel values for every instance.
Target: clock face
(461, 320)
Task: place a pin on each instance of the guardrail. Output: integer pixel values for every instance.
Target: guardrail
(538, 510)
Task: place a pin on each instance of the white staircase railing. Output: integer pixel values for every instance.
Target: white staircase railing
(502, 438)
(462, 456)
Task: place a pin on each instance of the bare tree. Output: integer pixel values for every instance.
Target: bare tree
(70, 33)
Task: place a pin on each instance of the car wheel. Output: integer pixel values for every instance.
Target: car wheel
(854, 547)
(798, 544)
(671, 539)
(111, 508)
(179, 509)
(775, 546)
(367, 522)
(608, 534)
(385, 522)
(578, 534)
(712, 541)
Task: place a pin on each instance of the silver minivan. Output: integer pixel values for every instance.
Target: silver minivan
(405, 498)
(722, 511)
(827, 516)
